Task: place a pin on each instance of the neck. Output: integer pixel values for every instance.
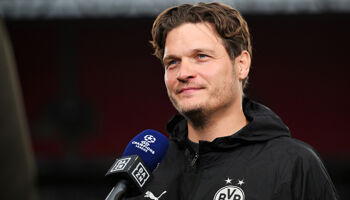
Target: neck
(221, 123)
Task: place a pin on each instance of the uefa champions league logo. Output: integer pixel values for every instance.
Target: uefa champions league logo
(149, 138)
(144, 145)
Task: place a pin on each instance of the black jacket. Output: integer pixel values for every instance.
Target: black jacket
(259, 162)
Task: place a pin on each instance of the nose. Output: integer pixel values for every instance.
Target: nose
(186, 71)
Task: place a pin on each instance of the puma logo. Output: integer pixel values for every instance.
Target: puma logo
(151, 195)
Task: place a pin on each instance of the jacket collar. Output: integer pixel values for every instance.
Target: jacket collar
(263, 125)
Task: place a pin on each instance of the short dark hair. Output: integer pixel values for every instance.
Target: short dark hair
(228, 23)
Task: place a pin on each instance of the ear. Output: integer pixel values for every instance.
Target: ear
(242, 63)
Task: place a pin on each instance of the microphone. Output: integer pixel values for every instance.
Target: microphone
(133, 170)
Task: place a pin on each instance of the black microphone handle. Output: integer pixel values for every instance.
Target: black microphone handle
(118, 191)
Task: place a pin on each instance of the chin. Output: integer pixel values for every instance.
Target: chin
(189, 104)
(197, 116)
(189, 108)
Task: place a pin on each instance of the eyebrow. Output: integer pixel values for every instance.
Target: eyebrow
(203, 50)
(169, 57)
(193, 51)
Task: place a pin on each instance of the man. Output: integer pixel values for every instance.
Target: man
(224, 146)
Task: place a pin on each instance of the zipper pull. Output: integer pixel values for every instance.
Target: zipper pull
(194, 160)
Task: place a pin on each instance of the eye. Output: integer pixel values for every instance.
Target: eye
(170, 64)
(202, 56)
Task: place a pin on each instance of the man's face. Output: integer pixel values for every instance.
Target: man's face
(199, 73)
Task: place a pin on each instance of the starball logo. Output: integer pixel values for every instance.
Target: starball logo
(144, 145)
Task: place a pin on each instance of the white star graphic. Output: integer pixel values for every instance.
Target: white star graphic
(228, 180)
(240, 182)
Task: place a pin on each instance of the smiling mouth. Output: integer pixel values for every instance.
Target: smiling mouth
(188, 90)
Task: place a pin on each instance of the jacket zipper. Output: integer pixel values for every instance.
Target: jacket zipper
(194, 160)
(197, 182)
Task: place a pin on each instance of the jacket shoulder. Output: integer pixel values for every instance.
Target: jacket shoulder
(291, 148)
(308, 177)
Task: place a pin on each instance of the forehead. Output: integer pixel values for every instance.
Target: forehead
(189, 36)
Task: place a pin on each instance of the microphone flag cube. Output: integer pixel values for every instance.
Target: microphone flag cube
(133, 169)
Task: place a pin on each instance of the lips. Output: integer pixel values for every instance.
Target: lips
(187, 90)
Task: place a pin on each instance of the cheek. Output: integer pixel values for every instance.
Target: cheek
(222, 77)
(216, 77)
(168, 80)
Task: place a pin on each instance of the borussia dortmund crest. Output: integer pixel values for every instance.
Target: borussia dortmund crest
(230, 191)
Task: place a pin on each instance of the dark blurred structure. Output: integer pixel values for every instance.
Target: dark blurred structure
(17, 168)
(143, 8)
(90, 83)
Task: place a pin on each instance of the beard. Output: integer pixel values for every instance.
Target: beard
(199, 114)
(220, 97)
(196, 115)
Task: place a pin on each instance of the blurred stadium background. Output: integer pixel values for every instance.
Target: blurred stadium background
(78, 81)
